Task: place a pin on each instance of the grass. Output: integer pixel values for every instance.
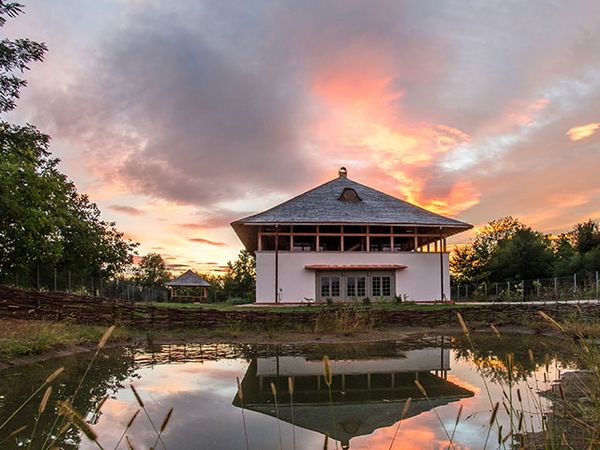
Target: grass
(22, 337)
(385, 306)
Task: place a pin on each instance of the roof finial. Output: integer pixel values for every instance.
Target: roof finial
(343, 172)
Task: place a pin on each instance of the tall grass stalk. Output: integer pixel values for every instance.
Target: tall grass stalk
(127, 427)
(41, 409)
(241, 397)
(274, 392)
(291, 391)
(101, 343)
(14, 433)
(141, 403)
(404, 413)
(328, 376)
(46, 382)
(163, 426)
(424, 393)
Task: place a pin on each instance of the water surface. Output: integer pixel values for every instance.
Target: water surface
(362, 408)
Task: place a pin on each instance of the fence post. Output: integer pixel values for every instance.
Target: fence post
(37, 282)
(574, 285)
(555, 288)
(458, 292)
(522, 290)
(485, 290)
(467, 292)
(538, 287)
(496, 290)
(508, 289)
(101, 287)
(55, 279)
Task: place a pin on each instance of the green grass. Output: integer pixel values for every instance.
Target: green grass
(313, 308)
(21, 338)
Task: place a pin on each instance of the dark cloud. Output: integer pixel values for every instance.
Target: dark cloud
(132, 211)
(207, 242)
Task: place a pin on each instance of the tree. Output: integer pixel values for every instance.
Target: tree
(44, 221)
(240, 279)
(152, 271)
(567, 260)
(586, 236)
(525, 255)
(470, 262)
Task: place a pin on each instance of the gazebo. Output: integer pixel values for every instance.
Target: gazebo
(195, 289)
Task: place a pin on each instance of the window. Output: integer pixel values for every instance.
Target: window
(325, 286)
(349, 195)
(330, 229)
(381, 286)
(356, 287)
(380, 243)
(376, 286)
(379, 229)
(305, 229)
(330, 287)
(386, 286)
(355, 229)
(330, 243)
(335, 286)
(305, 243)
(404, 243)
(268, 242)
(355, 243)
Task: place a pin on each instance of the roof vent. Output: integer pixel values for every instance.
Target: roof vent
(349, 195)
(343, 172)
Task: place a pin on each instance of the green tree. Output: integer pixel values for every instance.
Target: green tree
(470, 262)
(586, 236)
(44, 221)
(525, 255)
(567, 260)
(240, 279)
(152, 271)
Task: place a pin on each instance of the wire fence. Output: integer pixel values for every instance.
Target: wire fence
(582, 286)
(50, 279)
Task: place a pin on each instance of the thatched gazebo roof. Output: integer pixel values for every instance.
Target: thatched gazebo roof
(188, 279)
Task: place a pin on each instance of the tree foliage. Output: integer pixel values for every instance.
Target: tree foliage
(238, 284)
(43, 219)
(505, 249)
(152, 271)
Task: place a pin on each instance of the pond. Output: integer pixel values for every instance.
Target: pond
(360, 406)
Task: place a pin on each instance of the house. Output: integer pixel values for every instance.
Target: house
(366, 394)
(346, 241)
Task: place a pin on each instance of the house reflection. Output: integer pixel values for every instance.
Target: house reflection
(367, 393)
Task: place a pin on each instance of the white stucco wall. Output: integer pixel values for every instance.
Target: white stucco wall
(420, 281)
(423, 360)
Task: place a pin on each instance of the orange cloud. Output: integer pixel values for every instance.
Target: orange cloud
(583, 131)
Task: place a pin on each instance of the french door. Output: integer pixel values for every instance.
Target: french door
(353, 285)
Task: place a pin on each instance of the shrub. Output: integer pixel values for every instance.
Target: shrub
(366, 301)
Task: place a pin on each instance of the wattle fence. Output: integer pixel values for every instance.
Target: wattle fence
(56, 306)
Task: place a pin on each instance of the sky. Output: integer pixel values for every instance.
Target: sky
(180, 117)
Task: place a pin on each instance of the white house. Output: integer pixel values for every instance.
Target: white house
(345, 241)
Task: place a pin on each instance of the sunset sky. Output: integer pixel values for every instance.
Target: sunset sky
(179, 117)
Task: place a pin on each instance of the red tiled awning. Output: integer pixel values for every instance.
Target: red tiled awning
(355, 267)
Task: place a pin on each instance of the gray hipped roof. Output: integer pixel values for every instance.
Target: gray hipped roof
(323, 205)
(188, 279)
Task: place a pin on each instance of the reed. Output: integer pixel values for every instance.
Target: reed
(274, 392)
(241, 397)
(147, 414)
(127, 427)
(404, 413)
(328, 377)
(291, 392)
